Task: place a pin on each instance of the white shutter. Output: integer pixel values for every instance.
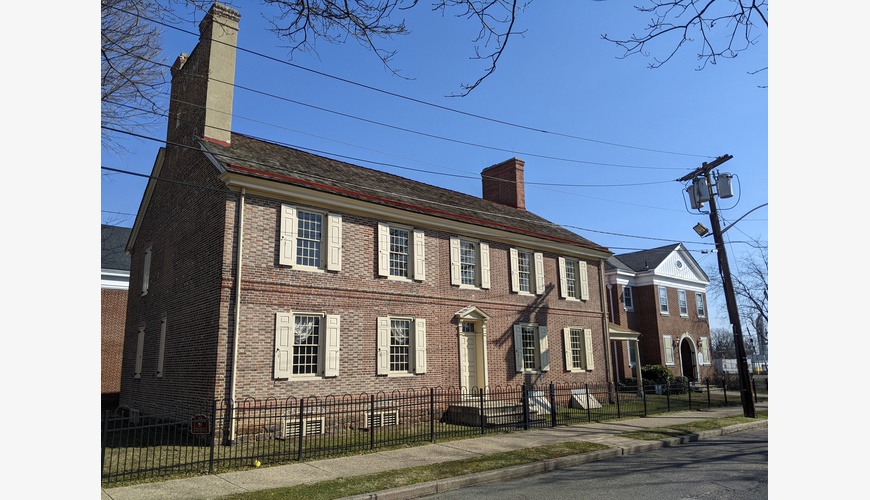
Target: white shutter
(332, 347)
(162, 347)
(584, 281)
(539, 273)
(544, 348)
(569, 358)
(705, 349)
(515, 271)
(484, 265)
(383, 250)
(140, 345)
(420, 346)
(334, 241)
(283, 345)
(419, 255)
(146, 271)
(383, 345)
(455, 262)
(287, 246)
(563, 280)
(518, 347)
(587, 345)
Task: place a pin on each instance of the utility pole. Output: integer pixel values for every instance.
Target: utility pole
(730, 298)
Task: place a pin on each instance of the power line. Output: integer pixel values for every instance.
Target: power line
(415, 100)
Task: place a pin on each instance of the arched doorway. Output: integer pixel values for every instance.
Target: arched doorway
(688, 359)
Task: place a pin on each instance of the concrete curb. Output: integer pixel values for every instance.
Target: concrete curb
(517, 471)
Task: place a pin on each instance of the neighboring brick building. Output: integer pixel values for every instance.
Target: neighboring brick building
(114, 279)
(661, 294)
(261, 271)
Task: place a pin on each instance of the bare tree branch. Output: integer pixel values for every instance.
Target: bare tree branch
(719, 29)
(370, 23)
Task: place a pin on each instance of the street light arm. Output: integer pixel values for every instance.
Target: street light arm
(741, 217)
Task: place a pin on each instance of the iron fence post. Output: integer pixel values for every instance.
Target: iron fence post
(754, 390)
(372, 423)
(725, 390)
(588, 406)
(618, 409)
(668, 394)
(431, 415)
(643, 396)
(689, 389)
(105, 440)
(526, 415)
(212, 436)
(552, 404)
(299, 434)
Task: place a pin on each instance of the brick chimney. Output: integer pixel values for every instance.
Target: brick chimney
(503, 183)
(202, 82)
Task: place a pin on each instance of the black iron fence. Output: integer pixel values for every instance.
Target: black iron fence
(140, 443)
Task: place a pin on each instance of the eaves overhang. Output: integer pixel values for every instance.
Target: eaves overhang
(280, 187)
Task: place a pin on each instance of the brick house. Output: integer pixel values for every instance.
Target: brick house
(114, 280)
(660, 294)
(262, 271)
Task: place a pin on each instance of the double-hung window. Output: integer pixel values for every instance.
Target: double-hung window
(699, 304)
(578, 349)
(573, 282)
(469, 263)
(684, 305)
(527, 271)
(531, 350)
(663, 300)
(310, 239)
(401, 345)
(306, 344)
(401, 252)
(627, 298)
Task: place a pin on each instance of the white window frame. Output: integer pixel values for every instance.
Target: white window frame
(540, 345)
(627, 298)
(416, 252)
(536, 271)
(684, 303)
(482, 266)
(416, 349)
(581, 279)
(330, 239)
(668, 344)
(329, 345)
(579, 355)
(699, 305)
(632, 353)
(663, 301)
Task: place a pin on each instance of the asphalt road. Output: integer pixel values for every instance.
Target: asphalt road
(730, 467)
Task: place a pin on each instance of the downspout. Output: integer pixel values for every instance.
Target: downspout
(604, 323)
(611, 320)
(238, 311)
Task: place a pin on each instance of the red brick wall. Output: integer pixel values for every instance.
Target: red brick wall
(359, 296)
(113, 312)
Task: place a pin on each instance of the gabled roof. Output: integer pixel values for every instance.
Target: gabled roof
(113, 241)
(267, 160)
(649, 260)
(643, 260)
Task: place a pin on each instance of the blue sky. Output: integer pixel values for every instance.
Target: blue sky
(620, 133)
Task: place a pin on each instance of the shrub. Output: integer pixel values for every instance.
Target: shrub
(656, 374)
(679, 385)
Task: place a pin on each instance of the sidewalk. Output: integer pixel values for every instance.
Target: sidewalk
(217, 485)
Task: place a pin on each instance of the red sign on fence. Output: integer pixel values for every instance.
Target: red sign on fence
(199, 424)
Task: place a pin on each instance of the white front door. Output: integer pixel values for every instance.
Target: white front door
(471, 357)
